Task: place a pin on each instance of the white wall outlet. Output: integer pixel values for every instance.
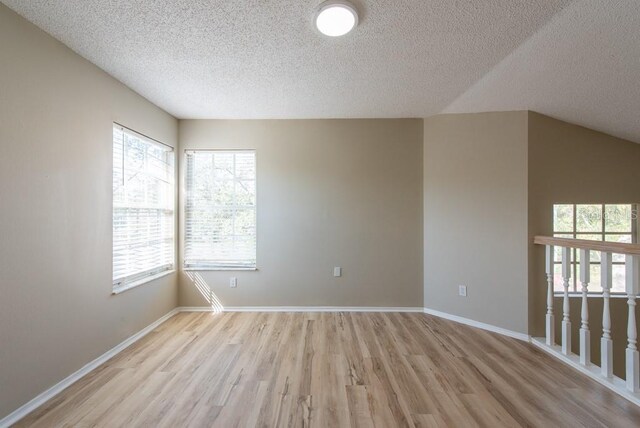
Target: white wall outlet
(462, 290)
(233, 282)
(337, 271)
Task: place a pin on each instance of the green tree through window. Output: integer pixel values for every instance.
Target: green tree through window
(597, 222)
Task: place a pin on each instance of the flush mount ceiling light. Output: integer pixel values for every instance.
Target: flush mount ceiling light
(336, 18)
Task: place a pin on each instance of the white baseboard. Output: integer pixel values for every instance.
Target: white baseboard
(300, 309)
(45, 396)
(478, 324)
(615, 384)
(198, 309)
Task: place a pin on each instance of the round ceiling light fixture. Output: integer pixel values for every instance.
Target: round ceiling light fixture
(336, 18)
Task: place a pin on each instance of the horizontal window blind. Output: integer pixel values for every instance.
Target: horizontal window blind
(220, 209)
(143, 207)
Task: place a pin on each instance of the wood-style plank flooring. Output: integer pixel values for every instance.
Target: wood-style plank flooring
(331, 370)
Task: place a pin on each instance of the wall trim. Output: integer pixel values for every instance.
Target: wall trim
(198, 309)
(489, 327)
(615, 384)
(300, 309)
(56, 389)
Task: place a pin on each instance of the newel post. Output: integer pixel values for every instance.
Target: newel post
(632, 288)
(566, 322)
(606, 344)
(551, 331)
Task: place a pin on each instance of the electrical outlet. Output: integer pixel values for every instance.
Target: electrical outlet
(337, 271)
(462, 290)
(233, 282)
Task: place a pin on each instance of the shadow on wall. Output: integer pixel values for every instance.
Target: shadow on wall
(203, 288)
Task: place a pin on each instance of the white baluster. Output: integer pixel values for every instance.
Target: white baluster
(632, 288)
(551, 329)
(585, 335)
(606, 344)
(566, 323)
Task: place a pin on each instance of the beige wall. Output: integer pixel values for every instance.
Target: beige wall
(572, 164)
(56, 310)
(475, 216)
(490, 182)
(330, 193)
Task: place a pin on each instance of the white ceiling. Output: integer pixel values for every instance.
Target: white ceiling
(578, 61)
(582, 67)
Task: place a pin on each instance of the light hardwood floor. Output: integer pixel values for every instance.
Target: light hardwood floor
(333, 370)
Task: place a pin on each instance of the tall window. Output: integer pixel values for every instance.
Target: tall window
(143, 208)
(597, 222)
(220, 210)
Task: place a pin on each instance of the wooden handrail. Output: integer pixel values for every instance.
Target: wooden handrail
(605, 278)
(609, 247)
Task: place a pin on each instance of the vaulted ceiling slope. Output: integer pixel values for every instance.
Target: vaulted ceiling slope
(583, 67)
(575, 60)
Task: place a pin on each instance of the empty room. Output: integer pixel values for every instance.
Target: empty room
(342, 213)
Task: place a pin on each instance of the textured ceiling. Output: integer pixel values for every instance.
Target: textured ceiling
(582, 67)
(578, 61)
(264, 58)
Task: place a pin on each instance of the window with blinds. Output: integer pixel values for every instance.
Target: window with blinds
(220, 209)
(143, 208)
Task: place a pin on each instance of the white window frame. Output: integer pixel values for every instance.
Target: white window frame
(203, 265)
(128, 282)
(635, 236)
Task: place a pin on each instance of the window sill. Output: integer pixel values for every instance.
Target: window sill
(140, 282)
(592, 295)
(229, 269)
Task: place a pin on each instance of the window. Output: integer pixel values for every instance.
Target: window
(598, 222)
(143, 208)
(220, 210)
